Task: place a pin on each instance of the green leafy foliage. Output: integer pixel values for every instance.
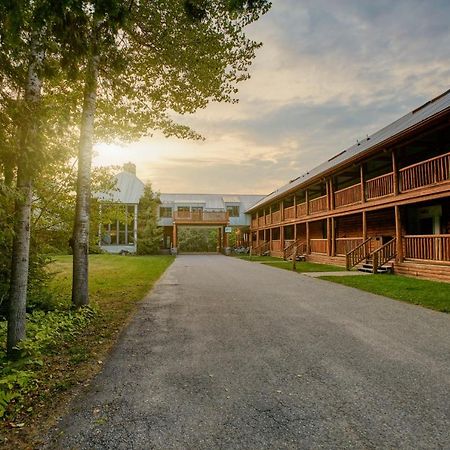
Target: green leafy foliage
(47, 331)
(197, 240)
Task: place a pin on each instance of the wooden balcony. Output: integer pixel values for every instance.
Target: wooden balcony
(289, 213)
(381, 186)
(425, 173)
(318, 245)
(347, 196)
(276, 217)
(301, 210)
(254, 223)
(428, 247)
(261, 221)
(199, 217)
(318, 205)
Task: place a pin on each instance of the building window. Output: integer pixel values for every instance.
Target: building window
(165, 211)
(233, 211)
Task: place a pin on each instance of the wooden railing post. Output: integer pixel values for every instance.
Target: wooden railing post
(395, 172)
(375, 262)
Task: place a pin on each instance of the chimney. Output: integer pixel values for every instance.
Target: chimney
(130, 168)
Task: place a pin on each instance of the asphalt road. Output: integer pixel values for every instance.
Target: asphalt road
(230, 354)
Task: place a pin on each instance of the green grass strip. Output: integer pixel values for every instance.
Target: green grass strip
(430, 294)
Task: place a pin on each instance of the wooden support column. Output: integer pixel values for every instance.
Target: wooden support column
(331, 188)
(307, 238)
(307, 201)
(282, 237)
(395, 172)
(270, 237)
(327, 191)
(363, 187)
(295, 232)
(398, 234)
(333, 236)
(364, 225)
(219, 240)
(174, 236)
(329, 245)
(282, 211)
(225, 239)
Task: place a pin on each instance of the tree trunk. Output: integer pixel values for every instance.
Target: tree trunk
(21, 244)
(80, 240)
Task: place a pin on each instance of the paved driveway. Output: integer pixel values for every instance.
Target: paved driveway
(230, 354)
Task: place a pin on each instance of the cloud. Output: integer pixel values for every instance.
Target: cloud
(329, 73)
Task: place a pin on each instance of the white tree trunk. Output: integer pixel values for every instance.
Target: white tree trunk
(80, 294)
(21, 244)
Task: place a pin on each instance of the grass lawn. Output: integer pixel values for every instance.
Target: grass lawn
(116, 284)
(431, 294)
(259, 258)
(304, 266)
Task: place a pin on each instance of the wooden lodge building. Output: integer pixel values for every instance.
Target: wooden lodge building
(384, 201)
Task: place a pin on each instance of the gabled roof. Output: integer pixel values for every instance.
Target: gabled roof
(423, 113)
(210, 201)
(128, 190)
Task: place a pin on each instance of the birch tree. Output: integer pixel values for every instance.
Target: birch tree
(147, 60)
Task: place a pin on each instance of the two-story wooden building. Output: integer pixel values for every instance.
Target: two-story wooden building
(226, 212)
(385, 200)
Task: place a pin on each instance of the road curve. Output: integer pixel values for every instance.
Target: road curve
(230, 354)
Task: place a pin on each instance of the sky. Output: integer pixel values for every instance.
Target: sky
(329, 72)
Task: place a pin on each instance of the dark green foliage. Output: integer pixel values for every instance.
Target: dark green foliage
(149, 234)
(197, 240)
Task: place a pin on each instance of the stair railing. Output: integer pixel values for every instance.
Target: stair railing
(383, 254)
(260, 249)
(358, 254)
(289, 250)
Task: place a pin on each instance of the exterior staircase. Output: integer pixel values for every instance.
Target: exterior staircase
(374, 262)
(367, 267)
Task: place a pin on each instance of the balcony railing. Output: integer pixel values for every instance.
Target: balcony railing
(301, 209)
(201, 216)
(431, 171)
(261, 221)
(318, 245)
(276, 217)
(348, 196)
(289, 213)
(381, 186)
(318, 205)
(254, 223)
(428, 247)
